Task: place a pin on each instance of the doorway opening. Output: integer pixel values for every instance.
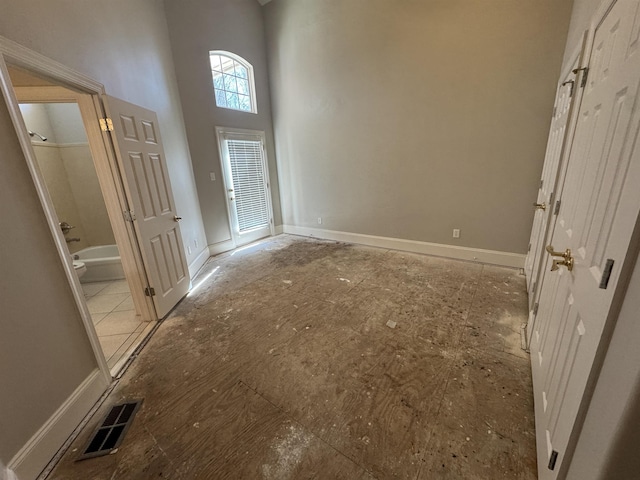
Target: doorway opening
(246, 181)
(82, 191)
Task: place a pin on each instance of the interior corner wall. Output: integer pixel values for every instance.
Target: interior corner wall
(123, 44)
(197, 27)
(409, 119)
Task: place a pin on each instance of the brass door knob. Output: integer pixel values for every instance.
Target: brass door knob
(540, 206)
(567, 259)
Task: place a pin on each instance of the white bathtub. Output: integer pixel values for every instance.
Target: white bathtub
(103, 263)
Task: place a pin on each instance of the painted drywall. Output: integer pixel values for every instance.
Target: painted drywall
(409, 119)
(197, 27)
(124, 45)
(44, 350)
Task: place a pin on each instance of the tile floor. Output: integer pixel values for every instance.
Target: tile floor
(283, 365)
(118, 327)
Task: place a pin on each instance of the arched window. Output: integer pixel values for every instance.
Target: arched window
(233, 81)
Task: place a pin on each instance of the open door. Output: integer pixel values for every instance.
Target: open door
(590, 245)
(136, 138)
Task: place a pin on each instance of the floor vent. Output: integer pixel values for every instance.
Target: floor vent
(109, 435)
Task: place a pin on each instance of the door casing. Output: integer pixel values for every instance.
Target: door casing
(239, 133)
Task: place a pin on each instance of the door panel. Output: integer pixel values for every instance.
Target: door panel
(601, 203)
(140, 152)
(551, 184)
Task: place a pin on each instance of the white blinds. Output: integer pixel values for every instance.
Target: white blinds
(248, 183)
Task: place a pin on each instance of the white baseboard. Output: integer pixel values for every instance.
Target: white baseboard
(6, 473)
(221, 247)
(34, 456)
(198, 262)
(506, 259)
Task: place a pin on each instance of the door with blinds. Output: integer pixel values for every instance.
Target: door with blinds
(246, 181)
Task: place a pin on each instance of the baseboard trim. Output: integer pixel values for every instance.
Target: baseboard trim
(34, 456)
(221, 247)
(506, 259)
(198, 262)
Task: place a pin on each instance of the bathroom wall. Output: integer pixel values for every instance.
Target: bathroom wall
(67, 167)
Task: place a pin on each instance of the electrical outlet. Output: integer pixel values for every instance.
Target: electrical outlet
(319, 220)
(456, 233)
(188, 249)
(212, 176)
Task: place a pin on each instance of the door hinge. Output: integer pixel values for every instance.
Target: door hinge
(555, 109)
(572, 83)
(535, 309)
(553, 459)
(541, 183)
(150, 291)
(533, 290)
(128, 215)
(529, 249)
(606, 275)
(106, 124)
(556, 210)
(585, 73)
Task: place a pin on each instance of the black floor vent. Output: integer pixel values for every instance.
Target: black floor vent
(110, 433)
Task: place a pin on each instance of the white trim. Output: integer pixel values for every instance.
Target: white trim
(6, 473)
(223, 134)
(34, 456)
(506, 259)
(278, 229)
(221, 247)
(32, 60)
(198, 262)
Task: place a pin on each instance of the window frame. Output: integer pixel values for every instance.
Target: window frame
(250, 80)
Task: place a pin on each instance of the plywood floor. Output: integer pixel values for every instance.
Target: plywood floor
(281, 365)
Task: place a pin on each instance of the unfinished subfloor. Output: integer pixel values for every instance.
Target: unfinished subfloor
(285, 364)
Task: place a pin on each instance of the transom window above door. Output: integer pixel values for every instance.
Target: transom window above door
(233, 81)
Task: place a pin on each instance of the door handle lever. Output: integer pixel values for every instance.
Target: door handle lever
(564, 262)
(176, 218)
(540, 206)
(567, 259)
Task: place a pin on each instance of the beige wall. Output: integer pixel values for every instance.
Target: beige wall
(44, 351)
(67, 167)
(408, 119)
(55, 176)
(196, 27)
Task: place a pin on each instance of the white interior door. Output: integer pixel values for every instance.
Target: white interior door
(545, 201)
(563, 124)
(246, 178)
(141, 155)
(600, 207)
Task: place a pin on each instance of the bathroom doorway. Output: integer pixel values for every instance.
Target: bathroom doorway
(83, 194)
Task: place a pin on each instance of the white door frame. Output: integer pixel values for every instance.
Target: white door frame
(221, 132)
(88, 99)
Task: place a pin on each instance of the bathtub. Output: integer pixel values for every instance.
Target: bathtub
(103, 263)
